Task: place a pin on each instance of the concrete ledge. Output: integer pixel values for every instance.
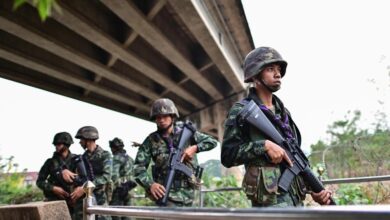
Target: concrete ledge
(36, 211)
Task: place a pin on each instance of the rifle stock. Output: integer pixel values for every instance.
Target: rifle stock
(175, 163)
(253, 115)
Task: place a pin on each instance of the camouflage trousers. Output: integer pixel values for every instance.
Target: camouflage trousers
(283, 200)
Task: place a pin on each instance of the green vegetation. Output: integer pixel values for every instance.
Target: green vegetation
(227, 199)
(12, 190)
(354, 152)
(43, 7)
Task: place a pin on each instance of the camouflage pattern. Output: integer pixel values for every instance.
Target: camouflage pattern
(101, 162)
(155, 149)
(243, 144)
(122, 171)
(88, 132)
(258, 59)
(48, 176)
(63, 138)
(163, 107)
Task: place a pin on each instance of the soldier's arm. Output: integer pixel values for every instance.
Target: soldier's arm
(237, 149)
(141, 165)
(116, 164)
(44, 172)
(130, 168)
(204, 142)
(107, 169)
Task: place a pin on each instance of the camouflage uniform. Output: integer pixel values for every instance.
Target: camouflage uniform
(122, 170)
(101, 162)
(244, 144)
(155, 148)
(50, 176)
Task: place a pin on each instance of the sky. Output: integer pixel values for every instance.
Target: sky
(338, 55)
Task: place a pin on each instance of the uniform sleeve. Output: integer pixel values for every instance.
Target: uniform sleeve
(130, 168)
(141, 164)
(107, 169)
(236, 148)
(205, 142)
(116, 164)
(43, 174)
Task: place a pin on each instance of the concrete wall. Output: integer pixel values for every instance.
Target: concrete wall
(36, 211)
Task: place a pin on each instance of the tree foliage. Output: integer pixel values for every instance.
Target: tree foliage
(12, 190)
(354, 152)
(44, 7)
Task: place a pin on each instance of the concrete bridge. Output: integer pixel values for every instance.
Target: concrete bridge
(122, 55)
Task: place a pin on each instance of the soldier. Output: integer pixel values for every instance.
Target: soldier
(99, 163)
(243, 144)
(50, 179)
(157, 147)
(122, 170)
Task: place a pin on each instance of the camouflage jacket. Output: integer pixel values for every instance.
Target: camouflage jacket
(155, 149)
(244, 144)
(122, 167)
(49, 174)
(101, 162)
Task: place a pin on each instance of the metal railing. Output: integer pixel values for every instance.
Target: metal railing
(366, 212)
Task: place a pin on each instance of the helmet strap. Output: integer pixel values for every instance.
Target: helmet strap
(164, 130)
(269, 88)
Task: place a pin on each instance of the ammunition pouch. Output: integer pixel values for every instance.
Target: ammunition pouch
(261, 184)
(299, 188)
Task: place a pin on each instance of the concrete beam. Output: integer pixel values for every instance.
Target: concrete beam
(101, 39)
(40, 66)
(211, 119)
(129, 13)
(47, 43)
(196, 17)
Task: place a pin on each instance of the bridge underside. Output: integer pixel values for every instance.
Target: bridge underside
(122, 55)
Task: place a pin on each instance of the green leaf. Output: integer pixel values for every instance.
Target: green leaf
(18, 3)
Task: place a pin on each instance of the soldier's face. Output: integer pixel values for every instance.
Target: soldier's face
(83, 143)
(59, 147)
(163, 121)
(271, 76)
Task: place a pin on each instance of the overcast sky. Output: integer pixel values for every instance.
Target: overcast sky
(338, 55)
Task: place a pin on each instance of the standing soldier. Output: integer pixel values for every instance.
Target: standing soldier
(50, 179)
(244, 144)
(157, 147)
(99, 162)
(122, 169)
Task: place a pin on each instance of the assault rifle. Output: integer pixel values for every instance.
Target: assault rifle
(253, 115)
(85, 172)
(175, 163)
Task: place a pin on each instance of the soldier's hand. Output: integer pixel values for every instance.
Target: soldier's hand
(135, 144)
(276, 153)
(68, 176)
(76, 194)
(323, 197)
(157, 190)
(60, 192)
(189, 153)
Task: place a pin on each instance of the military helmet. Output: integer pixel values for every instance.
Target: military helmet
(163, 107)
(63, 138)
(258, 59)
(87, 132)
(116, 142)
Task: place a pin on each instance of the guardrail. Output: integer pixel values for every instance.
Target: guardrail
(318, 213)
(366, 212)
